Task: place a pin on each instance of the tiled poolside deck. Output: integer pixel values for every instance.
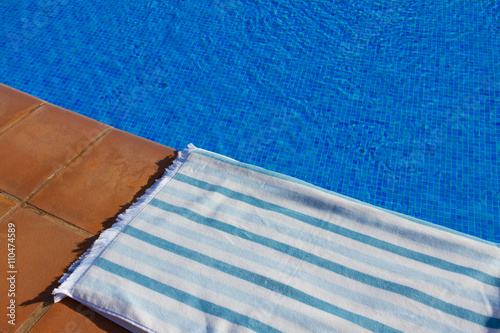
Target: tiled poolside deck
(63, 179)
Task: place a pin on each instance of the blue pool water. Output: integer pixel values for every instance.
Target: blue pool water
(392, 102)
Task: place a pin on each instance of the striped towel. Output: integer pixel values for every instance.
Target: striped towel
(221, 246)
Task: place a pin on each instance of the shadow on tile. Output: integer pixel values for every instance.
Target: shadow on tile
(45, 295)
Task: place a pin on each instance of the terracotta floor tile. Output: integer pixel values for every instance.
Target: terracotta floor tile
(42, 251)
(96, 186)
(38, 146)
(14, 104)
(71, 316)
(5, 205)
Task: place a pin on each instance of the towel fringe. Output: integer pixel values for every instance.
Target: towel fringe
(85, 261)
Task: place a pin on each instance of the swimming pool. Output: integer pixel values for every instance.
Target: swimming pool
(394, 102)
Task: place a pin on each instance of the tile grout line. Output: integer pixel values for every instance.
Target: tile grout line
(40, 311)
(71, 160)
(47, 216)
(35, 316)
(9, 196)
(24, 117)
(17, 203)
(10, 212)
(58, 221)
(24, 203)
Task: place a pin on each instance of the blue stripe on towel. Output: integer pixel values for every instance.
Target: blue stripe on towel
(427, 259)
(229, 245)
(259, 280)
(333, 267)
(233, 162)
(145, 305)
(387, 265)
(291, 194)
(183, 297)
(300, 319)
(330, 287)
